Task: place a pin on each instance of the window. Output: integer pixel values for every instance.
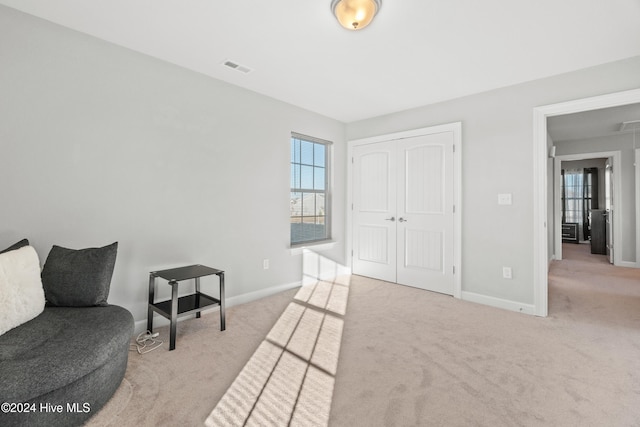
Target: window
(310, 198)
(572, 195)
(579, 197)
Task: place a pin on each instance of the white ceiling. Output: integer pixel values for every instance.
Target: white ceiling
(416, 52)
(593, 124)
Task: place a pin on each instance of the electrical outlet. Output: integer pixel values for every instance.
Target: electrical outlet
(505, 199)
(265, 263)
(506, 273)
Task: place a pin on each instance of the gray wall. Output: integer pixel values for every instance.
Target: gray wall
(100, 144)
(627, 206)
(497, 155)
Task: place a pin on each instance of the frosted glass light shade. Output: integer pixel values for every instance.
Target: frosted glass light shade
(355, 14)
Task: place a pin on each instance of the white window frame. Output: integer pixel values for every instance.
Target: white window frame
(327, 190)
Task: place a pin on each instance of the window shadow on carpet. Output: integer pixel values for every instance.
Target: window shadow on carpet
(289, 379)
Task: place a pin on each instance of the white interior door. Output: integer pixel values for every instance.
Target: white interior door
(374, 211)
(403, 214)
(425, 212)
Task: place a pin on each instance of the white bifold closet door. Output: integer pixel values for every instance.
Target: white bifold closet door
(403, 215)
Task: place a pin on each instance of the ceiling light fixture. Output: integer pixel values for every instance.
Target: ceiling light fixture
(355, 14)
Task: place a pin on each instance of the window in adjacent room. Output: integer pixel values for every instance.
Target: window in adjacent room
(572, 195)
(310, 197)
(579, 197)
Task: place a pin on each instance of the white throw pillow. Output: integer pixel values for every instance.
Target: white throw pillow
(21, 293)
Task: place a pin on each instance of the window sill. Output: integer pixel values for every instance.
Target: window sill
(315, 247)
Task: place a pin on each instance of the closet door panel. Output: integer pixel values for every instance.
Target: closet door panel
(425, 212)
(374, 211)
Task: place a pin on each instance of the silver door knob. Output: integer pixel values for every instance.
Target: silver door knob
(402, 220)
(390, 219)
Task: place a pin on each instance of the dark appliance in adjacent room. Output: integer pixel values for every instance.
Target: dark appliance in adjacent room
(598, 231)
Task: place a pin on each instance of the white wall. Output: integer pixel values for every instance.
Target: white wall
(101, 144)
(627, 206)
(497, 158)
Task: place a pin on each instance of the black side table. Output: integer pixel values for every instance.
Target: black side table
(189, 304)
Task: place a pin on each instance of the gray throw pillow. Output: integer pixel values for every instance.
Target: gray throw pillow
(21, 243)
(78, 277)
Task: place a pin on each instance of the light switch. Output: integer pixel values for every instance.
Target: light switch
(504, 199)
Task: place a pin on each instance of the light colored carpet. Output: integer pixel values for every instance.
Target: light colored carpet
(417, 358)
(410, 357)
(181, 387)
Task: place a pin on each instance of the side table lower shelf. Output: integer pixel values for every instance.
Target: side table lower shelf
(188, 304)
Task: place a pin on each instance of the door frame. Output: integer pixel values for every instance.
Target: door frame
(557, 199)
(456, 128)
(637, 177)
(540, 194)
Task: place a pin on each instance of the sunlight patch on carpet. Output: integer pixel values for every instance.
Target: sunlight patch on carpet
(289, 380)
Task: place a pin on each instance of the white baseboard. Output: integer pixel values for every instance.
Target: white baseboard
(141, 325)
(255, 295)
(628, 264)
(498, 303)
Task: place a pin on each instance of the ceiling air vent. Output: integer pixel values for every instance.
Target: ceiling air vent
(237, 67)
(629, 126)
